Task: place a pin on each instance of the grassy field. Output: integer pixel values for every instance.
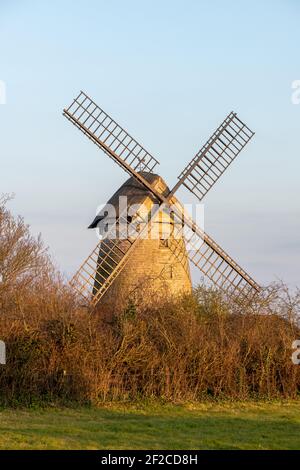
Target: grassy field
(194, 426)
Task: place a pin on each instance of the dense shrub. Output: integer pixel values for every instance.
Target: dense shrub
(191, 348)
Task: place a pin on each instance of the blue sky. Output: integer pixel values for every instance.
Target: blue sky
(169, 72)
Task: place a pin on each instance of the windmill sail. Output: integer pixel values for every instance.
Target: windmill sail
(85, 114)
(215, 156)
(213, 261)
(219, 267)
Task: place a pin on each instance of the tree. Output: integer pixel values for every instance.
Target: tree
(22, 257)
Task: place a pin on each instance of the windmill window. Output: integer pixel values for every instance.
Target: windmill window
(163, 243)
(168, 272)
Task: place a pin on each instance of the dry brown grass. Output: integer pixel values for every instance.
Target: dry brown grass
(191, 348)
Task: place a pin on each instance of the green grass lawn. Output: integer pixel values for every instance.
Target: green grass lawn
(194, 426)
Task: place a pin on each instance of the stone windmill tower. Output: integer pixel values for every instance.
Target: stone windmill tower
(159, 266)
(129, 259)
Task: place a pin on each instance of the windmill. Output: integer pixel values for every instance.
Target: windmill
(99, 272)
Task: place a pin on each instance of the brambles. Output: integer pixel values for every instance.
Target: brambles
(192, 348)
